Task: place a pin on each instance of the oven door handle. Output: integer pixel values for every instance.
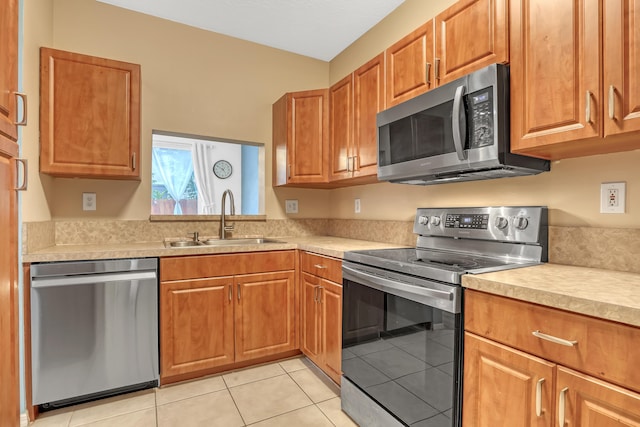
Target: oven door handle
(391, 285)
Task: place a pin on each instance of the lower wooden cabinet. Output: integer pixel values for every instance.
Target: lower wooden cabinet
(321, 312)
(208, 322)
(196, 325)
(504, 385)
(264, 314)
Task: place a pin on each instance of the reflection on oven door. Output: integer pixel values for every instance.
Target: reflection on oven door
(402, 313)
(363, 313)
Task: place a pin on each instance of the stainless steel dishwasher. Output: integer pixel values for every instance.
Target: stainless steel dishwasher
(94, 329)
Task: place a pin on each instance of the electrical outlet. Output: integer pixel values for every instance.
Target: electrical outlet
(291, 206)
(612, 197)
(357, 205)
(88, 201)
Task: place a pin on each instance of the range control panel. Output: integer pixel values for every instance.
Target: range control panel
(477, 221)
(521, 224)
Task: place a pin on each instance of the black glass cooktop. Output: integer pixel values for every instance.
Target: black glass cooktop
(429, 263)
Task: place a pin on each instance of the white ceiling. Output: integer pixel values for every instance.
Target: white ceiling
(317, 28)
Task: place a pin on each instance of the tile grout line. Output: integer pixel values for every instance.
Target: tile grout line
(244, 423)
(305, 393)
(155, 401)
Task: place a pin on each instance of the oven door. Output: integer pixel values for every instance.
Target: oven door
(401, 348)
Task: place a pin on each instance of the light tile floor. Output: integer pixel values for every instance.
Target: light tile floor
(288, 393)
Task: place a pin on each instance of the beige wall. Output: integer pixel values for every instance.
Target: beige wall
(203, 83)
(193, 81)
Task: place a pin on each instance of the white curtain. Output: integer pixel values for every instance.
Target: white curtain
(203, 160)
(174, 169)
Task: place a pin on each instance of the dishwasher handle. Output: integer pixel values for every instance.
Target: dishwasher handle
(88, 279)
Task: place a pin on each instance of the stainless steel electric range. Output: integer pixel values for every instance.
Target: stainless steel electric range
(403, 311)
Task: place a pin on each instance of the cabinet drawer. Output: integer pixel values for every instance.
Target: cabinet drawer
(198, 266)
(602, 349)
(321, 266)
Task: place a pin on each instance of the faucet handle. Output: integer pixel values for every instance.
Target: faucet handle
(195, 235)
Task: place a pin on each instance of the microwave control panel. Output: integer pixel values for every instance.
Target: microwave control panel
(480, 106)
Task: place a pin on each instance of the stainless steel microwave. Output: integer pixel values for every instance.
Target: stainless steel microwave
(456, 132)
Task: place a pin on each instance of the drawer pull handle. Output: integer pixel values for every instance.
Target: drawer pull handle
(553, 339)
(320, 266)
(539, 397)
(588, 107)
(239, 290)
(230, 292)
(561, 405)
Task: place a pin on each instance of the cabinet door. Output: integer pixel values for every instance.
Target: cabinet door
(368, 101)
(341, 128)
(331, 315)
(308, 146)
(9, 391)
(89, 116)
(196, 325)
(621, 66)
(9, 68)
(555, 75)
(470, 35)
(264, 314)
(502, 386)
(587, 402)
(311, 318)
(409, 65)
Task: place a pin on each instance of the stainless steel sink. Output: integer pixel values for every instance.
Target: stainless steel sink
(238, 241)
(221, 242)
(183, 244)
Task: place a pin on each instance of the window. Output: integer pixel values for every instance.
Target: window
(190, 173)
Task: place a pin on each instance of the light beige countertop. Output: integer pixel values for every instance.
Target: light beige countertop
(324, 245)
(607, 294)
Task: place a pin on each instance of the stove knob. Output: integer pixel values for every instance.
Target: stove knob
(501, 223)
(521, 222)
(435, 220)
(423, 220)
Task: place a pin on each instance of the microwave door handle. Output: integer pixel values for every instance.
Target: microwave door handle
(455, 123)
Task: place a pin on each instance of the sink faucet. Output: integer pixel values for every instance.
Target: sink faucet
(232, 211)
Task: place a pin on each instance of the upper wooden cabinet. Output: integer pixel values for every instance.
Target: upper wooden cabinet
(353, 104)
(470, 35)
(341, 128)
(9, 70)
(301, 138)
(409, 64)
(89, 116)
(9, 302)
(574, 77)
(465, 37)
(621, 66)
